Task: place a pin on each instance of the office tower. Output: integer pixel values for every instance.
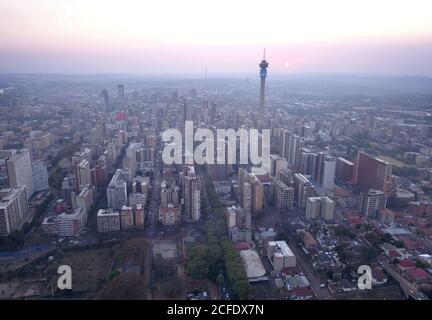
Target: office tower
(192, 195)
(104, 95)
(308, 162)
(283, 196)
(83, 174)
(303, 189)
(262, 109)
(371, 172)
(117, 189)
(40, 177)
(344, 170)
(108, 221)
(19, 168)
(371, 201)
(290, 147)
(13, 208)
(170, 215)
(328, 173)
(320, 207)
(317, 173)
(121, 91)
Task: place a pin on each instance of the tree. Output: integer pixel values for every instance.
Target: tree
(242, 289)
(220, 279)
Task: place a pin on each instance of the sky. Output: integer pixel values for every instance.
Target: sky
(168, 37)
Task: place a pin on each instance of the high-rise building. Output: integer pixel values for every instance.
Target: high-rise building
(277, 163)
(71, 224)
(169, 194)
(104, 95)
(320, 207)
(286, 176)
(192, 194)
(372, 201)
(253, 194)
(40, 177)
(371, 172)
(85, 198)
(13, 209)
(283, 196)
(83, 174)
(290, 146)
(108, 221)
(117, 189)
(19, 170)
(308, 162)
(344, 170)
(127, 218)
(121, 91)
(328, 173)
(262, 112)
(303, 189)
(139, 216)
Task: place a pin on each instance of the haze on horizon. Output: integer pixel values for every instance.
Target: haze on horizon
(184, 37)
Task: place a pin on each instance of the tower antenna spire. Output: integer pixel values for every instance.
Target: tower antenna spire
(264, 54)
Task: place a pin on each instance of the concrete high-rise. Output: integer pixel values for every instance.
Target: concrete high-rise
(13, 209)
(283, 196)
(371, 172)
(320, 207)
(19, 169)
(191, 194)
(117, 189)
(262, 109)
(371, 202)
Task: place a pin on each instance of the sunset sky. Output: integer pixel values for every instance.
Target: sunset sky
(183, 37)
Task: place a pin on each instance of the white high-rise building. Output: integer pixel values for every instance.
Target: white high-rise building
(328, 173)
(19, 169)
(13, 208)
(117, 190)
(371, 202)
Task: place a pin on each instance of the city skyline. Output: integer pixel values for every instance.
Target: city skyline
(140, 38)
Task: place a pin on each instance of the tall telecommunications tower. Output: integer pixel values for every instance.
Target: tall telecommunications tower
(262, 110)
